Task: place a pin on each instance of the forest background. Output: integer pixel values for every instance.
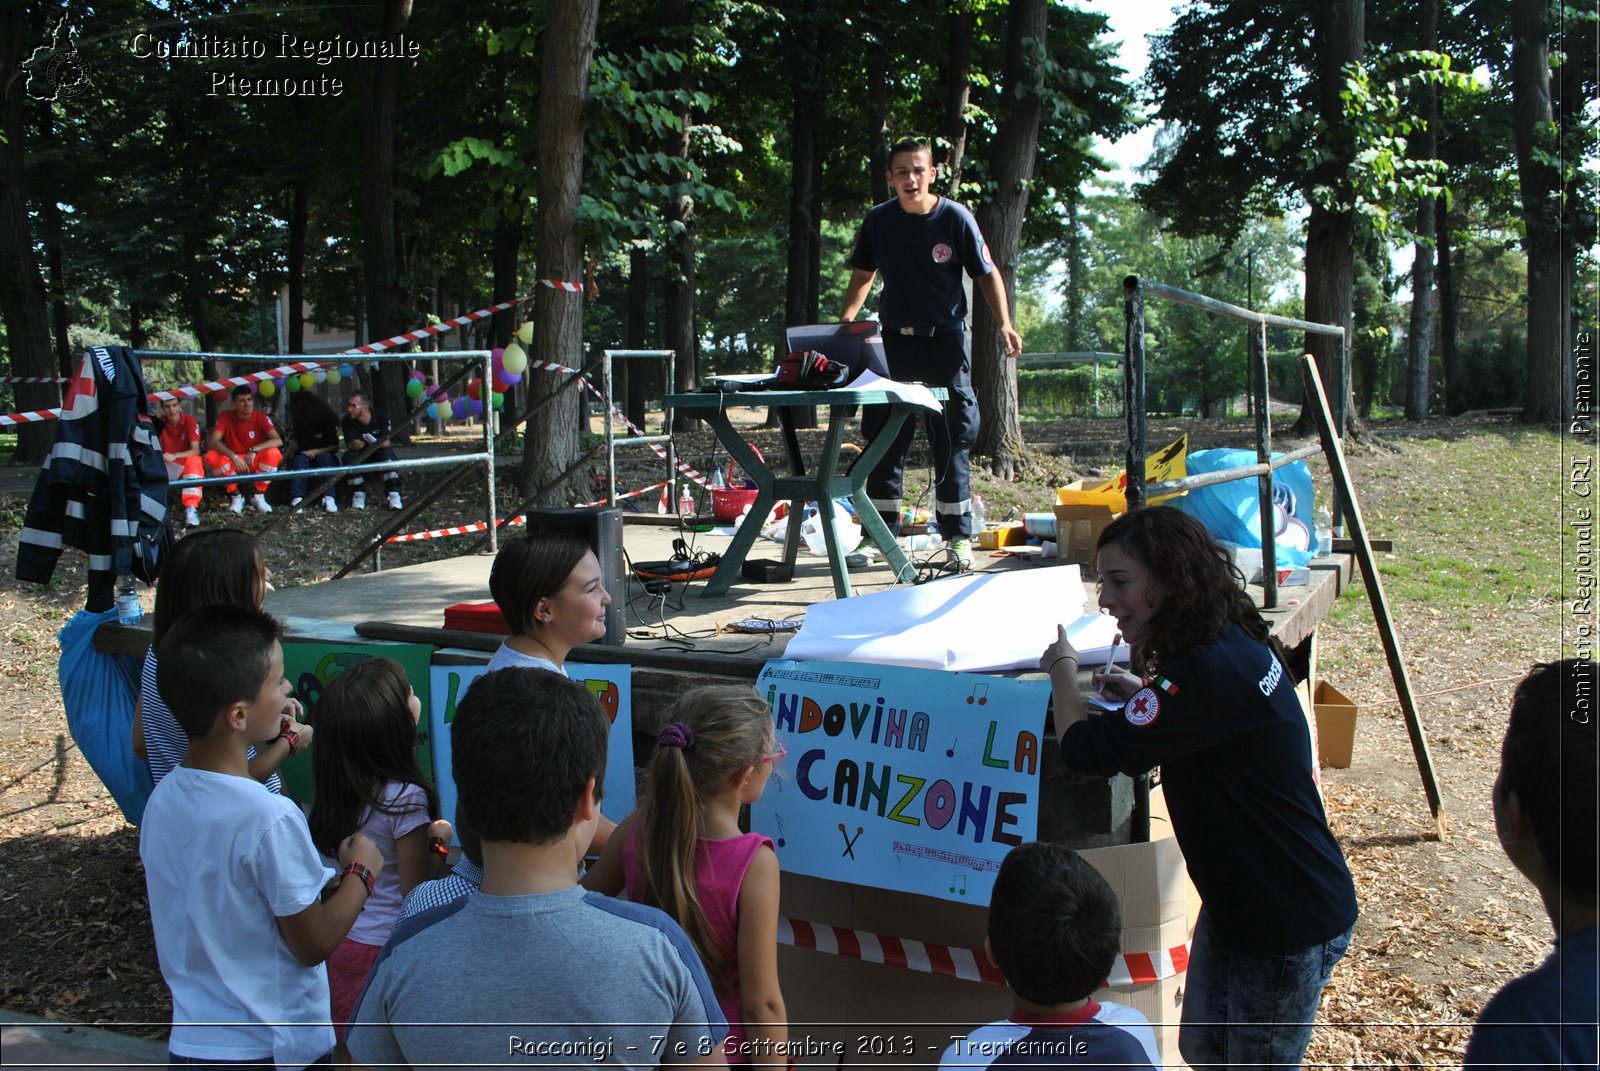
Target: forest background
(700, 165)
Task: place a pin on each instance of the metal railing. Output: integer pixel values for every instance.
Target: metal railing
(324, 478)
(1134, 290)
(668, 359)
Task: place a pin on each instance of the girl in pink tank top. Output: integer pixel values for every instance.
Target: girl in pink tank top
(682, 851)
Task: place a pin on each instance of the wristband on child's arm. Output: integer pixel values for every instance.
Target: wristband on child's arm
(368, 878)
(439, 846)
(286, 733)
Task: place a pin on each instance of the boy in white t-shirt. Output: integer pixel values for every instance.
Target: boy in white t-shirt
(235, 884)
(1054, 925)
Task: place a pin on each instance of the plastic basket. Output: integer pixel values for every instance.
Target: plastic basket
(728, 503)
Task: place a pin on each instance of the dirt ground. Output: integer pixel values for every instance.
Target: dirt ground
(1444, 922)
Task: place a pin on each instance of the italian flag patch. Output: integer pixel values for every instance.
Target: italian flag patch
(1166, 686)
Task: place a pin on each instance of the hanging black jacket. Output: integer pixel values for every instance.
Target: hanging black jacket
(103, 489)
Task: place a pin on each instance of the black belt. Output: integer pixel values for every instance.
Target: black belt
(925, 332)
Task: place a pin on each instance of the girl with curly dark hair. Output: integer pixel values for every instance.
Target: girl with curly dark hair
(1213, 705)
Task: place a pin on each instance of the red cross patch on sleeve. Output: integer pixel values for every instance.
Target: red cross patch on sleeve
(1143, 708)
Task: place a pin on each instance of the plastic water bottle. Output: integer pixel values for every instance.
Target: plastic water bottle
(685, 502)
(1324, 532)
(129, 611)
(977, 514)
(924, 542)
(718, 481)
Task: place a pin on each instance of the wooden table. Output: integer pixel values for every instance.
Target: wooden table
(799, 487)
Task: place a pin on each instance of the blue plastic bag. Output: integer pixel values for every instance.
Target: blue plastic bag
(1232, 511)
(99, 691)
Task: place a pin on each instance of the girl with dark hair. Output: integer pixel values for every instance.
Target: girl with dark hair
(219, 565)
(549, 591)
(314, 430)
(682, 851)
(1213, 705)
(368, 781)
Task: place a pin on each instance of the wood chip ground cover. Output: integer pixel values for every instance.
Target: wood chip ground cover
(1474, 581)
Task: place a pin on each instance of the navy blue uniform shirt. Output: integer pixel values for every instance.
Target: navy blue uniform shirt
(921, 259)
(1225, 726)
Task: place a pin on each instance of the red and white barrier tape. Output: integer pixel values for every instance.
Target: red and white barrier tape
(483, 526)
(439, 328)
(562, 284)
(1131, 968)
(34, 379)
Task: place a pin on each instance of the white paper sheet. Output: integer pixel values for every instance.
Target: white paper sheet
(914, 393)
(976, 623)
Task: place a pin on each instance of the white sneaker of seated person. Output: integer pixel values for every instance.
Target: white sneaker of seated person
(259, 501)
(236, 504)
(191, 516)
(329, 504)
(394, 500)
(358, 500)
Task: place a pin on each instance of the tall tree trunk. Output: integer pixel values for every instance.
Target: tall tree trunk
(506, 244)
(994, 377)
(551, 446)
(1339, 27)
(631, 378)
(1419, 339)
(801, 45)
(957, 89)
(681, 336)
(1446, 284)
(22, 294)
(1549, 296)
(299, 224)
(877, 115)
(377, 97)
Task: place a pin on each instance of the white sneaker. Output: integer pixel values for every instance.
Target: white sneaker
(191, 517)
(865, 554)
(961, 550)
(329, 504)
(296, 500)
(358, 500)
(394, 500)
(259, 501)
(236, 504)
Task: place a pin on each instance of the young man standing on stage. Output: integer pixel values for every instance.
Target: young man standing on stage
(922, 243)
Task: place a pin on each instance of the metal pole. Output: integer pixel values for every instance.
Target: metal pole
(486, 397)
(1269, 540)
(611, 447)
(1133, 383)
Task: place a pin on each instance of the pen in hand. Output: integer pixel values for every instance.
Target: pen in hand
(1111, 655)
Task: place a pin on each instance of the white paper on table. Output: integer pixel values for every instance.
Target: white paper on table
(911, 393)
(1092, 636)
(975, 623)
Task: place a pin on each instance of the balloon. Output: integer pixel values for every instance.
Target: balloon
(320, 376)
(267, 388)
(440, 397)
(334, 377)
(525, 333)
(516, 360)
(500, 383)
(460, 408)
(414, 389)
(433, 411)
(497, 354)
(417, 375)
(475, 388)
(346, 370)
(511, 378)
(497, 400)
(475, 407)
(308, 380)
(292, 384)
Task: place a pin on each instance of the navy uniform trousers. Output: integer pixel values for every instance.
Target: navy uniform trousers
(942, 360)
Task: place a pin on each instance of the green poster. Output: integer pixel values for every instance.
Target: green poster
(310, 666)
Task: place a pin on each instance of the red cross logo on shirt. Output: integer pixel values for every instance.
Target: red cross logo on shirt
(1143, 708)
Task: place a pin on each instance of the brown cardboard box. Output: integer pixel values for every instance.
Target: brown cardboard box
(1081, 515)
(1159, 909)
(1336, 726)
(1009, 534)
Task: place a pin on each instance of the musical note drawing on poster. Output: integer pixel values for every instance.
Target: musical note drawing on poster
(611, 685)
(923, 776)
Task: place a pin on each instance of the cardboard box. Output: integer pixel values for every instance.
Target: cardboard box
(1009, 534)
(1159, 909)
(1336, 726)
(1081, 515)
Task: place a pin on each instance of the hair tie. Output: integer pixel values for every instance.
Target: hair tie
(676, 734)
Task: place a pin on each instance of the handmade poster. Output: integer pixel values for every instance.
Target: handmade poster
(908, 779)
(612, 685)
(310, 666)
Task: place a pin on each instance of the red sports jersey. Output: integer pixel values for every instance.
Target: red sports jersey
(243, 435)
(184, 436)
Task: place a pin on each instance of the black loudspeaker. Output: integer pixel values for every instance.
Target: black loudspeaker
(602, 530)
